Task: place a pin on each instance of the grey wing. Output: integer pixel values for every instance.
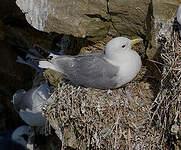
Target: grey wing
(40, 95)
(32, 99)
(91, 70)
(27, 100)
(32, 118)
(66, 64)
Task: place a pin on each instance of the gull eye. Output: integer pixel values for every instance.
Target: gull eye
(123, 46)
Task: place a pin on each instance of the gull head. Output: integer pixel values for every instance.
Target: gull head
(120, 45)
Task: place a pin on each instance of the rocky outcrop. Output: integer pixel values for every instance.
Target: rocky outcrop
(16, 36)
(163, 10)
(86, 19)
(82, 18)
(95, 19)
(129, 17)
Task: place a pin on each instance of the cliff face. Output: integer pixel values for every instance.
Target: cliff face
(83, 18)
(95, 19)
(84, 22)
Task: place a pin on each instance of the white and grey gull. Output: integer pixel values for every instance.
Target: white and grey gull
(112, 69)
(22, 138)
(29, 104)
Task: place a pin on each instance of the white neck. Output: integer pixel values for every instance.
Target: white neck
(118, 59)
(129, 65)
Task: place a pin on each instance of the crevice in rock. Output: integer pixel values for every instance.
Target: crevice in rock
(117, 13)
(149, 25)
(14, 22)
(108, 6)
(97, 16)
(108, 11)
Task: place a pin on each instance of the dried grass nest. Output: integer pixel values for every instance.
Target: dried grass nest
(132, 117)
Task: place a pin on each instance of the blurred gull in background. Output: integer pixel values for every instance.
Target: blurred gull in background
(21, 139)
(28, 104)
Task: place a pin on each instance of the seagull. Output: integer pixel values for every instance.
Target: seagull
(112, 69)
(28, 104)
(23, 135)
(19, 139)
(179, 18)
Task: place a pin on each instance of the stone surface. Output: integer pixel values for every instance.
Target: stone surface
(69, 17)
(83, 18)
(129, 17)
(163, 10)
(96, 19)
(93, 19)
(13, 75)
(8, 8)
(16, 36)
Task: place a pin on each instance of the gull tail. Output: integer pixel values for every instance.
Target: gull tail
(59, 63)
(46, 64)
(49, 64)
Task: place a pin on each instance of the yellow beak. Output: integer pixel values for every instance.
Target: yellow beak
(136, 41)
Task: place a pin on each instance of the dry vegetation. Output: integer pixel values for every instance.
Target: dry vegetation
(139, 116)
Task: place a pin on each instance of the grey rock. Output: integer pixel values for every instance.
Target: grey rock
(129, 17)
(163, 11)
(96, 19)
(82, 18)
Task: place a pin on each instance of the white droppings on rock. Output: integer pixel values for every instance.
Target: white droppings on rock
(36, 12)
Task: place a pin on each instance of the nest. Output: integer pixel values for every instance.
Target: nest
(132, 117)
(166, 108)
